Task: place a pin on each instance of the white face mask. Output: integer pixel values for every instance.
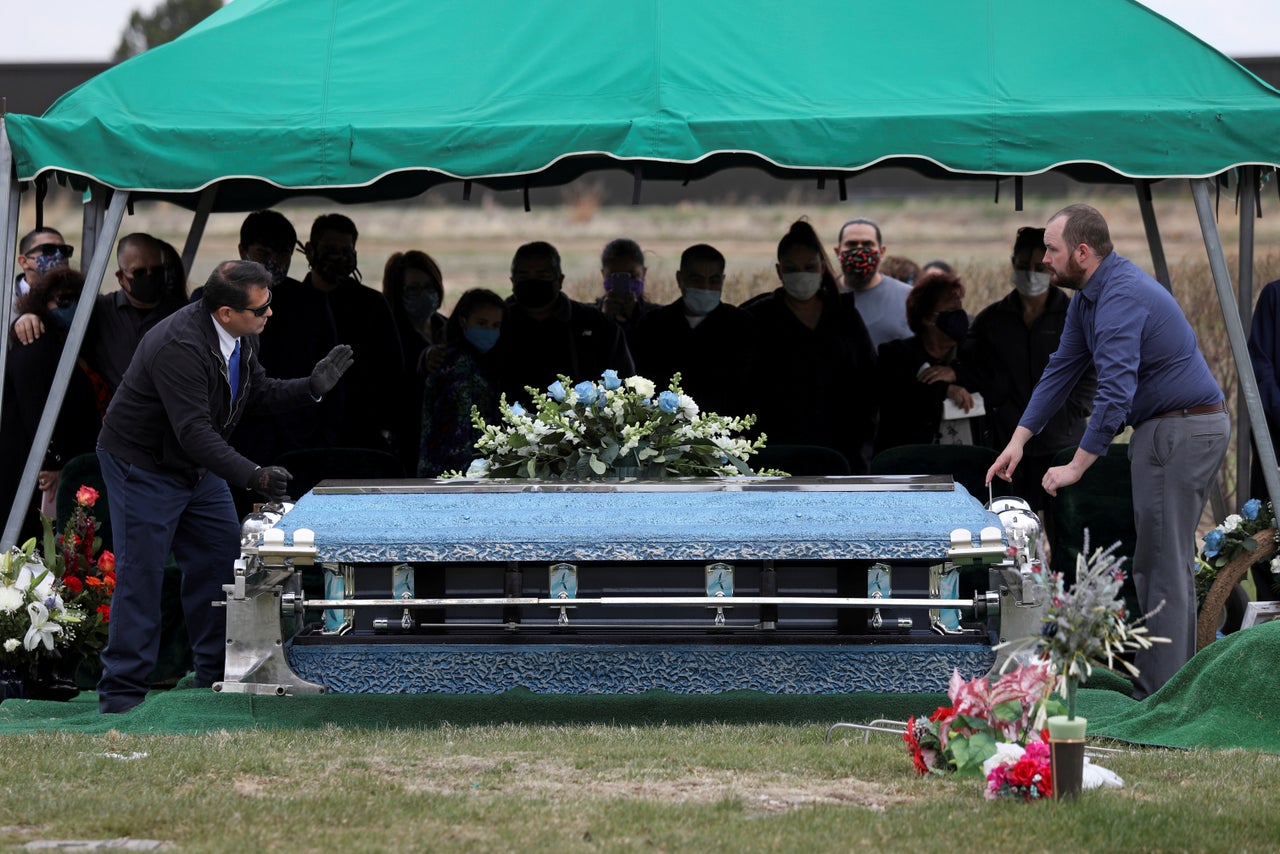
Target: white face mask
(700, 301)
(801, 286)
(1030, 284)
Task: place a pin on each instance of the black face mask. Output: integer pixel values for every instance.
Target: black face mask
(147, 288)
(953, 324)
(335, 266)
(534, 293)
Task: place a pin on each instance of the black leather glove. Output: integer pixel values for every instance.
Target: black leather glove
(271, 481)
(327, 372)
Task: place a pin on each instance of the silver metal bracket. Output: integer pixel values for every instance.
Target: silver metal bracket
(264, 577)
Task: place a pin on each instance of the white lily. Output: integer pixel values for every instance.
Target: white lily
(42, 628)
(29, 572)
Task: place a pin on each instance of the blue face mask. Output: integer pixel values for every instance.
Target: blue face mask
(700, 301)
(63, 316)
(482, 338)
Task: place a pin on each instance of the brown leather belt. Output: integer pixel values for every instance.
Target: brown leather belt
(1205, 409)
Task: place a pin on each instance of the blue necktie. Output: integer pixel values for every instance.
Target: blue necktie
(233, 370)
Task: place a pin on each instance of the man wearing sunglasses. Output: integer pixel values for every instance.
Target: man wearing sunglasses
(39, 252)
(166, 463)
(146, 296)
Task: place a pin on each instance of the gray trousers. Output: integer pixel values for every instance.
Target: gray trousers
(1173, 462)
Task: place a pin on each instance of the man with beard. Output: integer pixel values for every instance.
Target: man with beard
(1150, 375)
(881, 300)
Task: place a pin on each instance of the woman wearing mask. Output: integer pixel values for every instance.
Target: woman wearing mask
(1007, 350)
(467, 377)
(917, 374)
(28, 376)
(414, 288)
(816, 380)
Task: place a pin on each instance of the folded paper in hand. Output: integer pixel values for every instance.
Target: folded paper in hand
(951, 412)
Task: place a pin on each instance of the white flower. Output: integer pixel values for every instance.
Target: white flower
(11, 599)
(1232, 522)
(640, 386)
(688, 407)
(11, 644)
(478, 468)
(42, 629)
(29, 573)
(1275, 564)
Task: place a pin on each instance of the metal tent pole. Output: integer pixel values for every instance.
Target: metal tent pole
(66, 364)
(9, 234)
(1235, 334)
(1248, 200)
(91, 221)
(196, 232)
(1149, 224)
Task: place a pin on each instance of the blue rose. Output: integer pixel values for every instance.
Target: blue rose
(517, 409)
(586, 392)
(1213, 542)
(611, 380)
(669, 401)
(557, 392)
(1251, 508)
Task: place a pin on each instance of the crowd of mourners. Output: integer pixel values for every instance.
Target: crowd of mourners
(840, 356)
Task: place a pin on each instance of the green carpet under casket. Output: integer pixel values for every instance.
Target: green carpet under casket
(1226, 697)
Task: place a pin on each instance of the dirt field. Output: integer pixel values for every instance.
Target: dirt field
(473, 241)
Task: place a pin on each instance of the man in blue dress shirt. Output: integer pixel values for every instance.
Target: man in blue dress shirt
(1151, 375)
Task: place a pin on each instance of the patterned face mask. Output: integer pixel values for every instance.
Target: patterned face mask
(45, 263)
(860, 264)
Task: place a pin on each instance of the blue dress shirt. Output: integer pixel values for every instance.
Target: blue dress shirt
(1143, 348)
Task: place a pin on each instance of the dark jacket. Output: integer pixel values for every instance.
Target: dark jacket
(910, 411)
(116, 327)
(1003, 359)
(300, 333)
(816, 386)
(716, 359)
(576, 340)
(173, 410)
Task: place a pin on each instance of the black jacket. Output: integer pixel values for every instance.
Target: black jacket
(716, 359)
(816, 386)
(576, 340)
(910, 411)
(1003, 359)
(173, 410)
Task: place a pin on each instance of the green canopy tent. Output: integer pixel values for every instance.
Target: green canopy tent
(357, 101)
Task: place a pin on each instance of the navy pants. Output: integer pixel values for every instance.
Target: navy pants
(151, 514)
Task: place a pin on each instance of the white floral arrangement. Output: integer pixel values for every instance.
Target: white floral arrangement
(588, 430)
(34, 619)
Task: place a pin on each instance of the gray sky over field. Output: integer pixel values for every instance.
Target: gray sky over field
(89, 30)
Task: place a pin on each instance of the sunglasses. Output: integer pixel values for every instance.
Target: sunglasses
(149, 272)
(260, 310)
(51, 249)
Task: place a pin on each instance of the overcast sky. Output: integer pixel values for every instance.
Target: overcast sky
(87, 30)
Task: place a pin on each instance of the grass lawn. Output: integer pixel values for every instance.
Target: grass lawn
(599, 788)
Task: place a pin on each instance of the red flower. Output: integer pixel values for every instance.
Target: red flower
(72, 583)
(106, 561)
(105, 612)
(86, 496)
(93, 581)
